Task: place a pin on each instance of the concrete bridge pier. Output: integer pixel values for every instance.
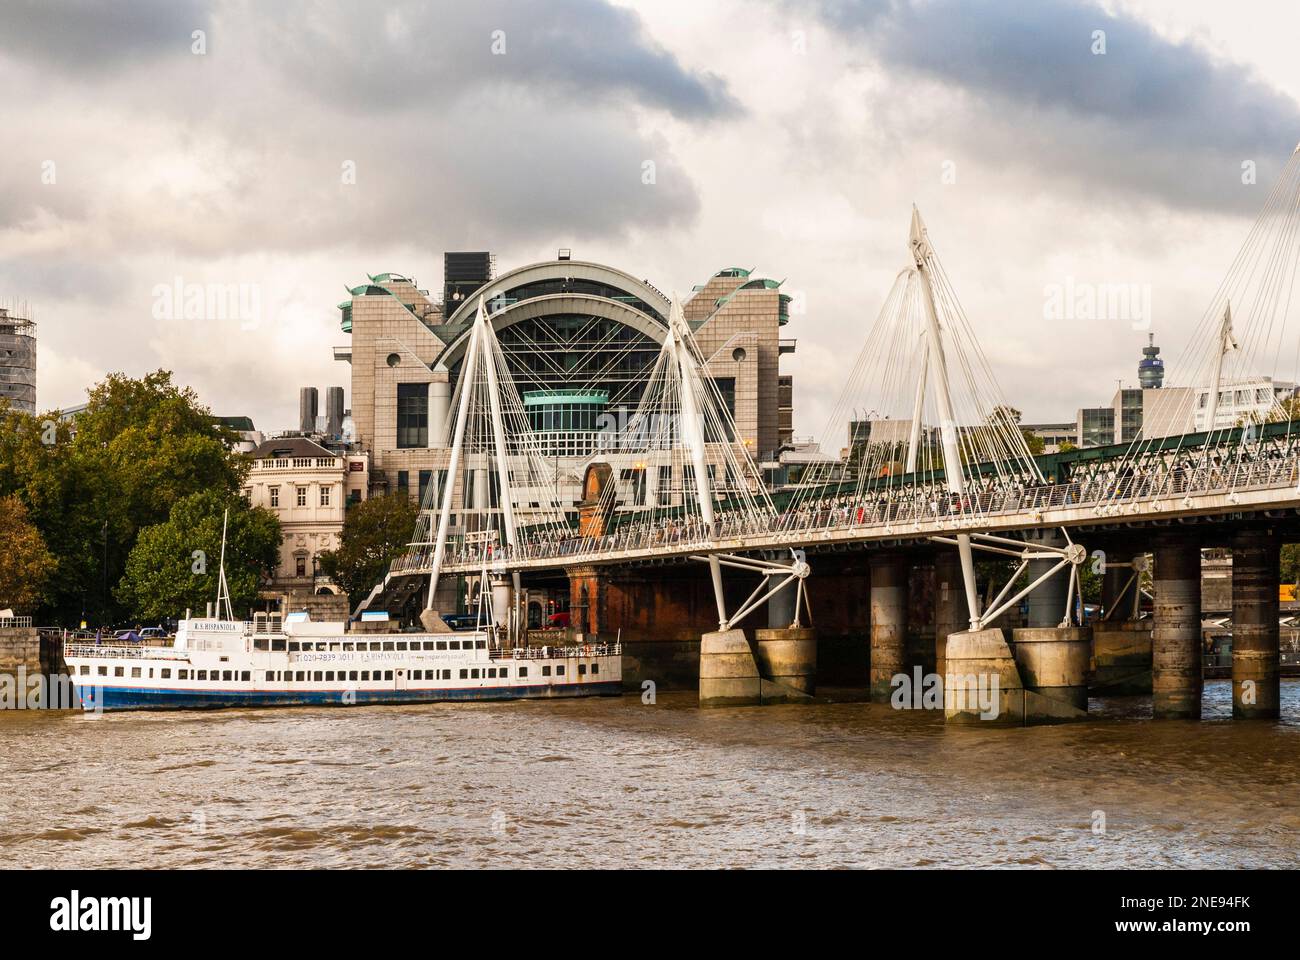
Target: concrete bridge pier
(888, 623)
(1121, 646)
(1053, 663)
(1256, 691)
(728, 670)
(1176, 677)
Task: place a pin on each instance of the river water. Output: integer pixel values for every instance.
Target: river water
(619, 783)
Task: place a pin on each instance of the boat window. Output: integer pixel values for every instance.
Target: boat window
(417, 674)
(349, 647)
(135, 672)
(453, 644)
(473, 674)
(595, 668)
(388, 645)
(201, 675)
(401, 645)
(329, 676)
(85, 669)
(582, 669)
(428, 644)
(322, 647)
(464, 674)
(103, 671)
(336, 647)
(352, 675)
(227, 675)
(182, 674)
(118, 672)
(277, 645)
(166, 673)
(482, 644)
(294, 646)
(492, 673)
(261, 643)
(559, 669)
(388, 674)
(523, 672)
(317, 676)
(546, 670)
(442, 644)
(243, 676)
(504, 673)
(300, 676)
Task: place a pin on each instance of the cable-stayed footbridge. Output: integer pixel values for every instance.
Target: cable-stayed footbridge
(941, 459)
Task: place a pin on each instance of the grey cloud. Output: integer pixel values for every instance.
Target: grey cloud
(1147, 116)
(417, 52)
(85, 36)
(445, 135)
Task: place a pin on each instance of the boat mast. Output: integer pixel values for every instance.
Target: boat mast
(223, 589)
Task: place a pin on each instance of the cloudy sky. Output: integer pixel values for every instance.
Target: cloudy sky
(790, 136)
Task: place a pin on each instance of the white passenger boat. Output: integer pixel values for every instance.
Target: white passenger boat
(269, 662)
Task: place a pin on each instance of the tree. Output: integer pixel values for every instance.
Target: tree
(1004, 418)
(174, 565)
(25, 562)
(1290, 563)
(375, 533)
(140, 446)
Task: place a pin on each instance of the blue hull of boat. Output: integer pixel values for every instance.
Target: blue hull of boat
(145, 698)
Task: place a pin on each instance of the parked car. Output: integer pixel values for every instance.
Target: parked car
(460, 621)
(558, 621)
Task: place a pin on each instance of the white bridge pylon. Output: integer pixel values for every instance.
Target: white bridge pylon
(497, 478)
(927, 423)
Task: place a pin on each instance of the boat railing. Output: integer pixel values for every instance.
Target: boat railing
(120, 650)
(558, 653)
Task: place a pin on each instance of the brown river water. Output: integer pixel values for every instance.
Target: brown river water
(618, 783)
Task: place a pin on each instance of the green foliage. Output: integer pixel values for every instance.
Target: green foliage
(1290, 563)
(140, 446)
(174, 565)
(374, 534)
(25, 562)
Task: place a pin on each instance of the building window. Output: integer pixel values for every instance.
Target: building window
(302, 496)
(324, 496)
(412, 415)
(301, 563)
(275, 496)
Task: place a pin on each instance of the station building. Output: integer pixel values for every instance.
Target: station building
(579, 338)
